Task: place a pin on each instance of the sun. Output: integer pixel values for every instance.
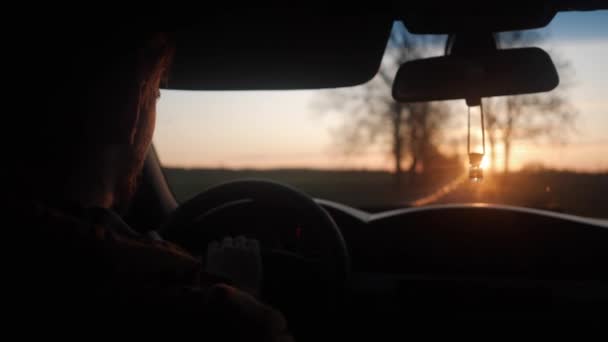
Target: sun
(485, 162)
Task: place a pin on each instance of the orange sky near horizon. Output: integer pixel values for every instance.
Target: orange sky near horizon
(261, 139)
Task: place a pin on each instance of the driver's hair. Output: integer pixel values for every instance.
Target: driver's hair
(80, 85)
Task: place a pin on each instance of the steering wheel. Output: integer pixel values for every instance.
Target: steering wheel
(305, 259)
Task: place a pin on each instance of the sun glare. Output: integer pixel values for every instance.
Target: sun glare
(485, 162)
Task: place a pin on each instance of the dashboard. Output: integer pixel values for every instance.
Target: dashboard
(476, 260)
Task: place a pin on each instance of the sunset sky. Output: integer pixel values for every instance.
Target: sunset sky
(268, 129)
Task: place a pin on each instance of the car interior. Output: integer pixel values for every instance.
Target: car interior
(329, 264)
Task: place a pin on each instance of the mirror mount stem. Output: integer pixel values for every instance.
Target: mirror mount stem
(473, 101)
(470, 43)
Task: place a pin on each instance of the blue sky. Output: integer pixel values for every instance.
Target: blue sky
(580, 25)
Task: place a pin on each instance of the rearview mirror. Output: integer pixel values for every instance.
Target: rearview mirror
(495, 73)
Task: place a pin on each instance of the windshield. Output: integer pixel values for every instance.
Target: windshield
(358, 147)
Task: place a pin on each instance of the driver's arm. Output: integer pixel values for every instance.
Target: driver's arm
(225, 310)
(91, 270)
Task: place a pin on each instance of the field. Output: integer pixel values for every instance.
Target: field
(576, 193)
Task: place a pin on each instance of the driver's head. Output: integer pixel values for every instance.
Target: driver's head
(89, 131)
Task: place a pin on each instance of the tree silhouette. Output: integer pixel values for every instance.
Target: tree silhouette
(408, 130)
(528, 117)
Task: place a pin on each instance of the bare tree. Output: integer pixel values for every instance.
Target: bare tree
(528, 117)
(409, 130)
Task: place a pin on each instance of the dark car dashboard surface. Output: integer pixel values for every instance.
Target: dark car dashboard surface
(474, 260)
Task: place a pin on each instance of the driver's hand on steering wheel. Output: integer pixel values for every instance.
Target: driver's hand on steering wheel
(237, 259)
